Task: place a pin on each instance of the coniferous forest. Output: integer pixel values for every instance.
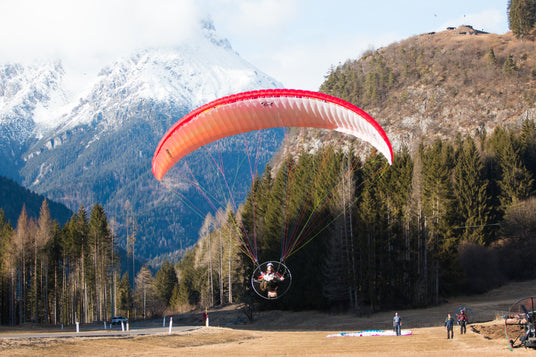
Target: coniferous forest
(452, 218)
(61, 275)
(455, 217)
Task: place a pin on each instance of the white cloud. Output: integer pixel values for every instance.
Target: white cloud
(90, 29)
(261, 21)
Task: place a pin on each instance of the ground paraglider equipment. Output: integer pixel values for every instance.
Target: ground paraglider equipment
(256, 111)
(520, 323)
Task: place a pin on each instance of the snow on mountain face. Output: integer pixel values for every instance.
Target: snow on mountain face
(193, 74)
(27, 93)
(35, 101)
(162, 80)
(187, 75)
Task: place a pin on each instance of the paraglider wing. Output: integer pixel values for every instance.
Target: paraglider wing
(265, 109)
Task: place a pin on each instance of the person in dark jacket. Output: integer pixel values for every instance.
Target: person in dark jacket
(449, 324)
(462, 321)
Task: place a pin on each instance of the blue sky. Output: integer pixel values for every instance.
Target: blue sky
(295, 41)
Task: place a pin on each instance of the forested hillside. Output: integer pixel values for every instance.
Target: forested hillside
(13, 197)
(457, 81)
(456, 217)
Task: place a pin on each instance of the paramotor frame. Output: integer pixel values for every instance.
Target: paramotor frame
(271, 288)
(520, 323)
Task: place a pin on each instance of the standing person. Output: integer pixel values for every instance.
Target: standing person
(397, 323)
(449, 323)
(462, 320)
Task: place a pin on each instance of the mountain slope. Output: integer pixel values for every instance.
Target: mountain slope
(13, 197)
(26, 92)
(458, 81)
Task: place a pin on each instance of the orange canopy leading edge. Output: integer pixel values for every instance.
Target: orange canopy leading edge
(265, 109)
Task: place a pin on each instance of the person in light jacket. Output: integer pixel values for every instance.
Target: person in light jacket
(397, 323)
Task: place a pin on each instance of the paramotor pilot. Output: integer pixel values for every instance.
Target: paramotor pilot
(269, 281)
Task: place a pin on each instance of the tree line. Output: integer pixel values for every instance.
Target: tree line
(451, 217)
(54, 274)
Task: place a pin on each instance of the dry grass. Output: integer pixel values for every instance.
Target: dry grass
(281, 333)
(481, 339)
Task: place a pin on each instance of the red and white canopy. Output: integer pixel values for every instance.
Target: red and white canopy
(265, 109)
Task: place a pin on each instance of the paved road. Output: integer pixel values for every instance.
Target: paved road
(95, 332)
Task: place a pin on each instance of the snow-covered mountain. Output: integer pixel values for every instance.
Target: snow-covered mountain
(26, 92)
(201, 70)
(96, 144)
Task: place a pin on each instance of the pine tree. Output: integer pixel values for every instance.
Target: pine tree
(516, 182)
(367, 236)
(80, 234)
(54, 251)
(125, 295)
(437, 204)
(165, 281)
(509, 66)
(416, 224)
(437, 162)
(491, 59)
(470, 190)
(394, 189)
(189, 281)
(99, 244)
(6, 232)
(521, 16)
(278, 213)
